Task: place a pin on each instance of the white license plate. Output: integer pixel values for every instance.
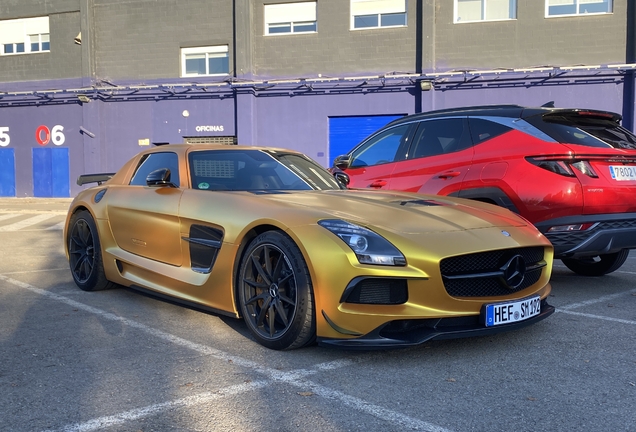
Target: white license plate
(623, 172)
(510, 312)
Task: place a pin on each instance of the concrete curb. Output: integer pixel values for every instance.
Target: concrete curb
(35, 205)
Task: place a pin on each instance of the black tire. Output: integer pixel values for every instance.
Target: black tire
(85, 254)
(275, 293)
(597, 266)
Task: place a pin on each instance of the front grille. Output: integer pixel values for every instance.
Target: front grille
(481, 275)
(378, 291)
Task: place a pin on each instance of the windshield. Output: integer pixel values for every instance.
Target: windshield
(588, 131)
(257, 170)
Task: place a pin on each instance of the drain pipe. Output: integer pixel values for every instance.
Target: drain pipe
(419, 36)
(629, 84)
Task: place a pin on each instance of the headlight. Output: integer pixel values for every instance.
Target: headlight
(369, 247)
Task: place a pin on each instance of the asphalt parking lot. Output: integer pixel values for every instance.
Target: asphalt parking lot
(120, 361)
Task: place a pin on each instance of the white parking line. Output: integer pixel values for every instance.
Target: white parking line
(8, 216)
(604, 318)
(594, 301)
(57, 226)
(26, 222)
(121, 418)
(292, 377)
(568, 309)
(625, 272)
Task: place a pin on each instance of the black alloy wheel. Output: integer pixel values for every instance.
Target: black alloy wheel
(85, 258)
(275, 293)
(597, 266)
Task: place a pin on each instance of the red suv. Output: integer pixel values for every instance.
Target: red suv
(571, 172)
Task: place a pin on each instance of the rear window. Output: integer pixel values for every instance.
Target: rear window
(585, 130)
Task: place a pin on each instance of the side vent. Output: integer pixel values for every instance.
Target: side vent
(205, 243)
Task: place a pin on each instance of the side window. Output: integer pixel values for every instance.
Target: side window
(382, 148)
(435, 137)
(482, 130)
(155, 161)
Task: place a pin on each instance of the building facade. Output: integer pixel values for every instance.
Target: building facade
(86, 84)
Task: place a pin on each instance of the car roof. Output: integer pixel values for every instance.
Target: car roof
(513, 111)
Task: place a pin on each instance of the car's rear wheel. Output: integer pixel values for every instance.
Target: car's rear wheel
(85, 255)
(597, 266)
(275, 293)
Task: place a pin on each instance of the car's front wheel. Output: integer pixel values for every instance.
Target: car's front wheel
(597, 266)
(275, 293)
(85, 254)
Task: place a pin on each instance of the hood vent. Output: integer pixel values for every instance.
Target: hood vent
(421, 202)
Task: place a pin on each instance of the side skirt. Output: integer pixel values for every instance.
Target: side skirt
(179, 302)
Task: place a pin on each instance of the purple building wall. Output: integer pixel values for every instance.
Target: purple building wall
(302, 122)
(103, 134)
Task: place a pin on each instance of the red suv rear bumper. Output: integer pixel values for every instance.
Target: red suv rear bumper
(609, 233)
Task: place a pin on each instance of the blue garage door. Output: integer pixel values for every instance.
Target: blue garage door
(7, 172)
(346, 132)
(51, 172)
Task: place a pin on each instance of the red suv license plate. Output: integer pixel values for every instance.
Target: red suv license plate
(623, 172)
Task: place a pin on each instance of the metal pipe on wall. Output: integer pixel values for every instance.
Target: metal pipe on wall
(629, 85)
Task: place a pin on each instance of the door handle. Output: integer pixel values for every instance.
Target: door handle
(378, 184)
(449, 175)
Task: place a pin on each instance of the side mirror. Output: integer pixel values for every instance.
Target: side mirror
(160, 177)
(342, 177)
(342, 162)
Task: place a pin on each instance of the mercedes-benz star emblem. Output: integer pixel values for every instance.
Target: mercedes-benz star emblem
(514, 271)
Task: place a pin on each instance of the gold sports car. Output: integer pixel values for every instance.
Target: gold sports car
(271, 236)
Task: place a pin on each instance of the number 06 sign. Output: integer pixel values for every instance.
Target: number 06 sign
(43, 135)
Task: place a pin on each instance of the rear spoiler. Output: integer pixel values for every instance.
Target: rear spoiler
(582, 113)
(94, 178)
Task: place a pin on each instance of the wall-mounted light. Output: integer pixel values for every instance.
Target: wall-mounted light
(78, 39)
(85, 131)
(83, 98)
(426, 85)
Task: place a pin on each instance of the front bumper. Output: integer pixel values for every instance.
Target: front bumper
(609, 234)
(406, 333)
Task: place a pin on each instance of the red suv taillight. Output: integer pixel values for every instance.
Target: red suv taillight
(563, 165)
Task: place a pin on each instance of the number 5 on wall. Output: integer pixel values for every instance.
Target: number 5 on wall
(5, 139)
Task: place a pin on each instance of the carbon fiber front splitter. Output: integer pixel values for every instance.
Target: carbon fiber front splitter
(408, 333)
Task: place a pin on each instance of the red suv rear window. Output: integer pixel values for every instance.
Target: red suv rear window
(585, 128)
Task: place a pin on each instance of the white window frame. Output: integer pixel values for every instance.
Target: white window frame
(378, 8)
(19, 31)
(42, 38)
(577, 3)
(208, 51)
(291, 15)
(484, 9)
